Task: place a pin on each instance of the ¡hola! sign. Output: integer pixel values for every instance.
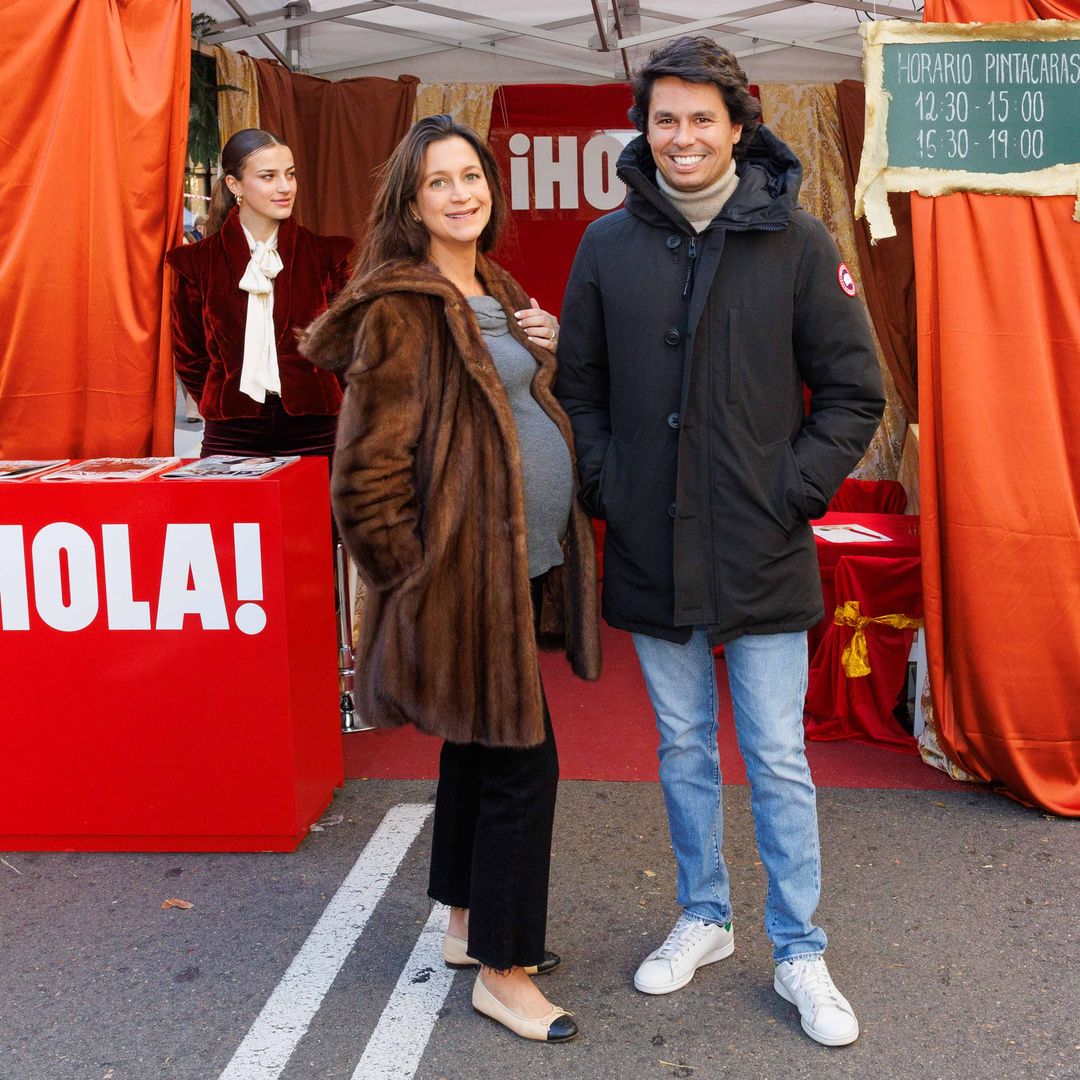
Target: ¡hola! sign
(61, 560)
(559, 172)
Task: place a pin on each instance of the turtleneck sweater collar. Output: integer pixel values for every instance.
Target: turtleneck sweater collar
(701, 207)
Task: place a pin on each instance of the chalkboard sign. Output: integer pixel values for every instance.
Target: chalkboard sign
(987, 107)
(983, 106)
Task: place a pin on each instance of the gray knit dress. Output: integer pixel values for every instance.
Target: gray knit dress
(546, 471)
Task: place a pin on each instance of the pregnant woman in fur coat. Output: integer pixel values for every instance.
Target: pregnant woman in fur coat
(453, 486)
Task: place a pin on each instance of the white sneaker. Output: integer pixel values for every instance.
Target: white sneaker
(827, 1016)
(692, 943)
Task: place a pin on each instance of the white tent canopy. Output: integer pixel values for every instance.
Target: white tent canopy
(525, 41)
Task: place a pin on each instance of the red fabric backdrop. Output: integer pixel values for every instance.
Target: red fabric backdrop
(95, 100)
(340, 134)
(999, 388)
(550, 236)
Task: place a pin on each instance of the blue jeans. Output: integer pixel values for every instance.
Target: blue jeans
(767, 675)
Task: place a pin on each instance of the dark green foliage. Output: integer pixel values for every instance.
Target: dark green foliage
(204, 142)
(201, 24)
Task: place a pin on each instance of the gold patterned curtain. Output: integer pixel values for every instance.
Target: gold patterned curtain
(237, 109)
(467, 103)
(806, 118)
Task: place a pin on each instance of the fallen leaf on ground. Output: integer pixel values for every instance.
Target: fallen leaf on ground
(174, 902)
(649, 873)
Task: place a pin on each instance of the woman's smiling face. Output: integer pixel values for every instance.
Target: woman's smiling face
(453, 201)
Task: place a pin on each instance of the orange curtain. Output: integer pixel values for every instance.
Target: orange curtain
(95, 100)
(999, 388)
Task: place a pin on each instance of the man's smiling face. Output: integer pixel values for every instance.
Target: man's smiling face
(690, 133)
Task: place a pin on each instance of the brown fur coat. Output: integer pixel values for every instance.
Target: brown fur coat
(428, 495)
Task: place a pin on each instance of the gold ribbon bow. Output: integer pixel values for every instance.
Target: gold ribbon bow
(855, 659)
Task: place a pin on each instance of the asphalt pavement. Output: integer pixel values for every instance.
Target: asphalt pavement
(952, 917)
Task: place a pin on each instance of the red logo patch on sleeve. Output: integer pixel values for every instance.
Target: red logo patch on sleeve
(847, 282)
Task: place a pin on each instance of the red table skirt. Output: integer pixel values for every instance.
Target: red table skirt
(903, 542)
(885, 577)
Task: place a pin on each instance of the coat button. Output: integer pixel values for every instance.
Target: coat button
(673, 242)
(674, 420)
(673, 337)
(672, 509)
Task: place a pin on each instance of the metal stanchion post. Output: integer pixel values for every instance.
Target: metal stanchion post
(350, 722)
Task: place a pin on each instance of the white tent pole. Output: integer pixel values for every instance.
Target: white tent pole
(714, 22)
(408, 54)
(249, 21)
(521, 29)
(875, 9)
(283, 23)
(724, 24)
(488, 48)
(802, 43)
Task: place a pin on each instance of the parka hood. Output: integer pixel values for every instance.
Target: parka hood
(770, 176)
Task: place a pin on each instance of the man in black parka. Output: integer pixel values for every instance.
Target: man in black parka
(693, 318)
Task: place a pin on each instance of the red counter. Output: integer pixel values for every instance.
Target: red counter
(903, 542)
(168, 663)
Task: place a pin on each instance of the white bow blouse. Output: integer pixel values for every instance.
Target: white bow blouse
(259, 374)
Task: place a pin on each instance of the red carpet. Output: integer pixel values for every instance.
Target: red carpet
(605, 731)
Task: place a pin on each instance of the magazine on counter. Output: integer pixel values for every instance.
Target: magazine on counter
(850, 534)
(227, 467)
(23, 470)
(112, 468)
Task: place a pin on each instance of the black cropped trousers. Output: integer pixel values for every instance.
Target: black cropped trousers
(491, 847)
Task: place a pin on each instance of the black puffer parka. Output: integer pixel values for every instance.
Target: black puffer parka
(682, 360)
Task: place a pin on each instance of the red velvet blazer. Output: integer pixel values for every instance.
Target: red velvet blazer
(209, 314)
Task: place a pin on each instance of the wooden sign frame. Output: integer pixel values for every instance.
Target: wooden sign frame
(877, 177)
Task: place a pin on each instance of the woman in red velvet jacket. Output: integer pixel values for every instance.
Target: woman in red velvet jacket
(239, 297)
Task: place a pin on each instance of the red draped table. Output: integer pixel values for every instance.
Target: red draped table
(902, 531)
(168, 662)
(883, 576)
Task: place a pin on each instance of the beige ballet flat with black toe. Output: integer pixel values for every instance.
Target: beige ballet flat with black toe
(554, 1026)
(455, 954)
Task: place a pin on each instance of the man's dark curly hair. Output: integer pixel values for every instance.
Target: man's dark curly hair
(698, 60)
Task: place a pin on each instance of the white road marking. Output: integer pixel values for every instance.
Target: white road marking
(287, 1014)
(397, 1044)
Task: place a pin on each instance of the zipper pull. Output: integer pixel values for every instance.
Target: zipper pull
(690, 267)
